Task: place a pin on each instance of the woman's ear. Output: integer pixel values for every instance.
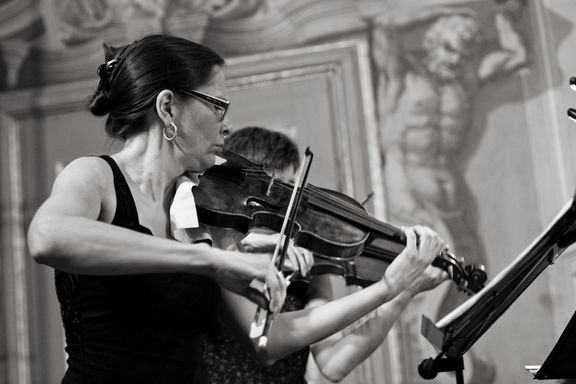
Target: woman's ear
(165, 106)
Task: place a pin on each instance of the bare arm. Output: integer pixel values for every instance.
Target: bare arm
(292, 331)
(337, 356)
(512, 53)
(389, 64)
(67, 233)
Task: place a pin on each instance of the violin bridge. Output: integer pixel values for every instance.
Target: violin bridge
(271, 183)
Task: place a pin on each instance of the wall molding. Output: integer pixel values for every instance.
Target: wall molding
(14, 275)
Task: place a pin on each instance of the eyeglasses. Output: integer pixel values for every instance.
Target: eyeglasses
(220, 105)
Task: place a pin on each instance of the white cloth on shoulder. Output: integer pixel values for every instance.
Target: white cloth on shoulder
(183, 214)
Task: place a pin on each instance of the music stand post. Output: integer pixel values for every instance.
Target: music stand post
(429, 368)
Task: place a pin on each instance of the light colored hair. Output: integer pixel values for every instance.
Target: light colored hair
(464, 28)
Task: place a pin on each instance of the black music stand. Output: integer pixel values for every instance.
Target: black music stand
(459, 330)
(560, 362)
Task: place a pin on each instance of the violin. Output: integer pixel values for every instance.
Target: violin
(240, 195)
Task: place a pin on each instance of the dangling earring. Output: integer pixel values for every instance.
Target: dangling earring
(173, 136)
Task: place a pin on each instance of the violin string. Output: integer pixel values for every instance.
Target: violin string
(328, 202)
(347, 209)
(325, 197)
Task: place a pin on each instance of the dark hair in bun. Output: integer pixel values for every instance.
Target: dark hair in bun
(133, 75)
(100, 102)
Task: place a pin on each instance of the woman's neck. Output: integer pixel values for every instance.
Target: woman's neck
(149, 164)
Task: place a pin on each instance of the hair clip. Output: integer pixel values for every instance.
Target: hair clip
(104, 70)
(111, 64)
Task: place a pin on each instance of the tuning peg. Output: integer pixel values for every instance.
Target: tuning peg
(572, 114)
(571, 111)
(476, 276)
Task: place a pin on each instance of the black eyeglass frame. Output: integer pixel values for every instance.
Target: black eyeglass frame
(217, 102)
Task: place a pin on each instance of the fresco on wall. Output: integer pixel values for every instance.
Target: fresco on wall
(426, 105)
(425, 99)
(430, 60)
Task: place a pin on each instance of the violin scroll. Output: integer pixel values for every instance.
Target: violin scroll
(469, 278)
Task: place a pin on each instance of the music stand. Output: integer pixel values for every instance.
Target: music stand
(460, 329)
(560, 362)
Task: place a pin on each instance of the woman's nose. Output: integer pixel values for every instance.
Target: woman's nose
(225, 127)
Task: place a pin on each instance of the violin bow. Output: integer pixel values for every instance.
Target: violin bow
(262, 318)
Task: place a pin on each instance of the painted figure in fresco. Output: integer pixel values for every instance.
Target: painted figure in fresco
(425, 110)
(425, 107)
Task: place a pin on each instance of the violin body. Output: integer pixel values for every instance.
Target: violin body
(229, 197)
(241, 195)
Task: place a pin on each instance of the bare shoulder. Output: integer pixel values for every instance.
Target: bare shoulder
(89, 178)
(89, 164)
(84, 188)
(91, 170)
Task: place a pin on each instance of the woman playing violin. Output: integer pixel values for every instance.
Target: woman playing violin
(311, 315)
(134, 301)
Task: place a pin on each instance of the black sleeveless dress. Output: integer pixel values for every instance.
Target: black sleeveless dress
(230, 363)
(144, 329)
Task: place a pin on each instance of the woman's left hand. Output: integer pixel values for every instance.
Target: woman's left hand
(428, 280)
(422, 246)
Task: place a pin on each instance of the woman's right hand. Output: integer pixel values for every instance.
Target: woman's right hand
(297, 259)
(253, 276)
(423, 245)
